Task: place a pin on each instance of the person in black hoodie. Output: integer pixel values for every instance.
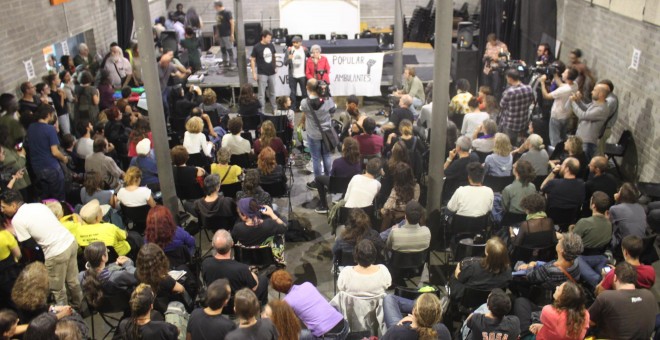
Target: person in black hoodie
(322, 108)
(214, 204)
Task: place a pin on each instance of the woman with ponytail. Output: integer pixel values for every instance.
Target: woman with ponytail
(423, 323)
(100, 278)
(140, 325)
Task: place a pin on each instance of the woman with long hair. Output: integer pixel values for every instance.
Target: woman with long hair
(282, 316)
(404, 189)
(140, 325)
(521, 187)
(269, 171)
(485, 273)
(163, 231)
(358, 228)
(346, 166)
(30, 294)
(412, 144)
(248, 104)
(93, 189)
(284, 109)
(565, 319)
(152, 268)
(500, 162)
(423, 317)
(141, 130)
(251, 188)
(101, 278)
(269, 138)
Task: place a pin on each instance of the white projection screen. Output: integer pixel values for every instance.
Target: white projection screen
(307, 17)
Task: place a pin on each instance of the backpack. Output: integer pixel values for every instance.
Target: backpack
(416, 160)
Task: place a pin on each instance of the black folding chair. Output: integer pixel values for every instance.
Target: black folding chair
(242, 160)
(251, 122)
(230, 190)
(344, 259)
(526, 254)
(402, 265)
(619, 149)
(482, 155)
(135, 215)
(510, 219)
(498, 183)
(563, 217)
(472, 298)
(260, 257)
(110, 304)
(338, 185)
(213, 223)
(412, 293)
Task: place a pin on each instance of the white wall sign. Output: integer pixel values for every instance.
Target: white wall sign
(65, 48)
(320, 17)
(29, 69)
(351, 73)
(634, 63)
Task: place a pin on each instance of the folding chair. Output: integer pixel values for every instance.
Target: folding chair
(344, 259)
(135, 215)
(498, 183)
(260, 257)
(619, 149)
(401, 265)
(118, 303)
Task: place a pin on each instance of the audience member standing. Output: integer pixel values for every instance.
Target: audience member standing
(45, 154)
(118, 67)
(592, 118)
(36, 221)
(322, 109)
(515, 103)
(264, 67)
(560, 111)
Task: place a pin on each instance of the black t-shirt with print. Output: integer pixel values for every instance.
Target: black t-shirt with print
(265, 58)
(223, 19)
(486, 328)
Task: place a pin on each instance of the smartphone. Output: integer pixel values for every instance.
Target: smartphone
(263, 210)
(19, 146)
(607, 269)
(516, 230)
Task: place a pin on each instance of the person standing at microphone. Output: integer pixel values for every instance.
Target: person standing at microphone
(297, 55)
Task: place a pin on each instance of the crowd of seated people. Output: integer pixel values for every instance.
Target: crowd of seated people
(90, 257)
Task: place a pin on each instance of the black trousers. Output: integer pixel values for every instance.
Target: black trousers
(293, 84)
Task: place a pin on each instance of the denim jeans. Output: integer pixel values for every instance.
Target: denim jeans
(305, 334)
(557, 130)
(319, 154)
(51, 182)
(293, 85)
(513, 135)
(394, 308)
(416, 103)
(589, 150)
(263, 82)
(166, 101)
(590, 268)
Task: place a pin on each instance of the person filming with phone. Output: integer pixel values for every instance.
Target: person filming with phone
(259, 226)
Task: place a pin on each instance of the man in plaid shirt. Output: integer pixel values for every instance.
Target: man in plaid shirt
(515, 103)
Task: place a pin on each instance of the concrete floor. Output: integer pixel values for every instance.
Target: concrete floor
(312, 261)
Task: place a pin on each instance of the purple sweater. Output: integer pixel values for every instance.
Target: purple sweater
(313, 309)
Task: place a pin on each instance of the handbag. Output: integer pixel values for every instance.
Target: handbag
(330, 139)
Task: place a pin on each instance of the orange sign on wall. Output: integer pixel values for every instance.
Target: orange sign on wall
(57, 2)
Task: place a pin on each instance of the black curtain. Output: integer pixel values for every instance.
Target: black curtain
(124, 22)
(490, 21)
(536, 18)
(511, 27)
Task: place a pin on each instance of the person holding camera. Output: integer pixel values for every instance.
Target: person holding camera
(264, 68)
(318, 68)
(494, 47)
(560, 111)
(317, 119)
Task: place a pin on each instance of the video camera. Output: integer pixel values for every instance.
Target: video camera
(549, 70)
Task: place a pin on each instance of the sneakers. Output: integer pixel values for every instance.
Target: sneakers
(311, 185)
(321, 210)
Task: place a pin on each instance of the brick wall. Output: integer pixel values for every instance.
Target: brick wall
(377, 13)
(30, 25)
(607, 40)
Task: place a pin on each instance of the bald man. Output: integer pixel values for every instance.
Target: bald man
(591, 118)
(600, 181)
(568, 191)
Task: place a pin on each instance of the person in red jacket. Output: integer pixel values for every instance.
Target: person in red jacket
(318, 66)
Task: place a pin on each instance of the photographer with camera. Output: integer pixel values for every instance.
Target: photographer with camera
(318, 68)
(317, 121)
(560, 111)
(591, 118)
(494, 49)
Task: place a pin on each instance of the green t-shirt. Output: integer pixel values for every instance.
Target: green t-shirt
(595, 231)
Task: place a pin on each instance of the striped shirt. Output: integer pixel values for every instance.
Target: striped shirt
(409, 238)
(515, 103)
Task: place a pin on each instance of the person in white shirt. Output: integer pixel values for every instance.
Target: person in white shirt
(85, 144)
(36, 221)
(118, 67)
(363, 188)
(296, 60)
(233, 140)
(472, 200)
(474, 118)
(561, 109)
(194, 140)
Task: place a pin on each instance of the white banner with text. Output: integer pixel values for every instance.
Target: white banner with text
(350, 73)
